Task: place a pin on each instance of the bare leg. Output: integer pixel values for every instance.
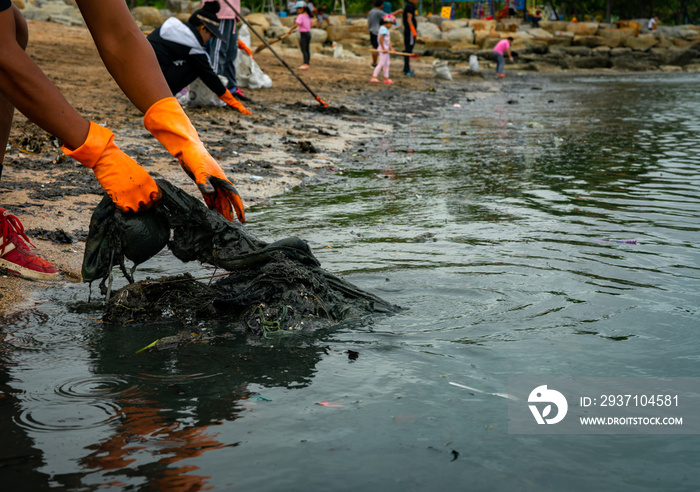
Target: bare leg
(6, 108)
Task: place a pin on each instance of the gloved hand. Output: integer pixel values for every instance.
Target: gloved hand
(244, 47)
(413, 31)
(170, 125)
(228, 98)
(129, 186)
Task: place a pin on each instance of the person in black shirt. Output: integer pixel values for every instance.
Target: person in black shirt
(409, 33)
(179, 47)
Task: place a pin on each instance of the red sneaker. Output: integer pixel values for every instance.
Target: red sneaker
(15, 255)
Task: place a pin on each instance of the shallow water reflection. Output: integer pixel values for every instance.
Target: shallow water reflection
(525, 237)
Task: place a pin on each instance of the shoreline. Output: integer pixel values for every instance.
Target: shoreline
(290, 140)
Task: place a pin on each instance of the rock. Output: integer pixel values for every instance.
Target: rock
(360, 22)
(636, 61)
(564, 34)
(680, 32)
(428, 30)
(19, 4)
(670, 68)
(635, 26)
(573, 51)
(148, 16)
(69, 20)
(594, 41)
(598, 60)
(460, 35)
(620, 51)
(464, 47)
(318, 35)
(434, 43)
(337, 20)
(540, 33)
(583, 28)
(480, 37)
(437, 20)
(508, 25)
(258, 20)
(553, 26)
(342, 33)
(560, 41)
(482, 25)
(449, 25)
(622, 33)
(288, 21)
(179, 6)
(276, 31)
(642, 42)
(273, 20)
(694, 68)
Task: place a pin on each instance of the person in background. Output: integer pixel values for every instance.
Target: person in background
(374, 21)
(224, 49)
(131, 61)
(409, 33)
(179, 48)
(312, 9)
(303, 22)
(321, 17)
(386, 7)
(652, 23)
(384, 49)
(503, 46)
(536, 18)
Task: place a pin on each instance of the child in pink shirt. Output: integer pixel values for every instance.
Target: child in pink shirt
(384, 48)
(303, 22)
(503, 46)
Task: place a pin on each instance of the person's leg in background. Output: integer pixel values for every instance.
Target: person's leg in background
(408, 42)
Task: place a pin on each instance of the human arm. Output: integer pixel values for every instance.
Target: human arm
(510, 57)
(409, 21)
(291, 29)
(28, 89)
(131, 61)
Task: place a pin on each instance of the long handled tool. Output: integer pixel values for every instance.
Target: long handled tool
(401, 53)
(263, 46)
(235, 11)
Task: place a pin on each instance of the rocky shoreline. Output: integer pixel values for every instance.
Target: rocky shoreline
(554, 45)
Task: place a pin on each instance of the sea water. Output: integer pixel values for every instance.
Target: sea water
(548, 228)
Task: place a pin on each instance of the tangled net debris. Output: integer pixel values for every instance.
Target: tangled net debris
(269, 289)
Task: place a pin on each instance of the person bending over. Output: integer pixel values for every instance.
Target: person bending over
(131, 61)
(179, 48)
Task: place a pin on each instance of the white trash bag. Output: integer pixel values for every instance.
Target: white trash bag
(197, 94)
(248, 73)
(441, 70)
(473, 63)
(337, 50)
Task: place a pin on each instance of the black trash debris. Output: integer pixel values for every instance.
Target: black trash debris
(272, 288)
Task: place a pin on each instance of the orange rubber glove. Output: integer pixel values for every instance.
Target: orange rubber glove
(129, 186)
(234, 103)
(170, 125)
(413, 31)
(244, 47)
